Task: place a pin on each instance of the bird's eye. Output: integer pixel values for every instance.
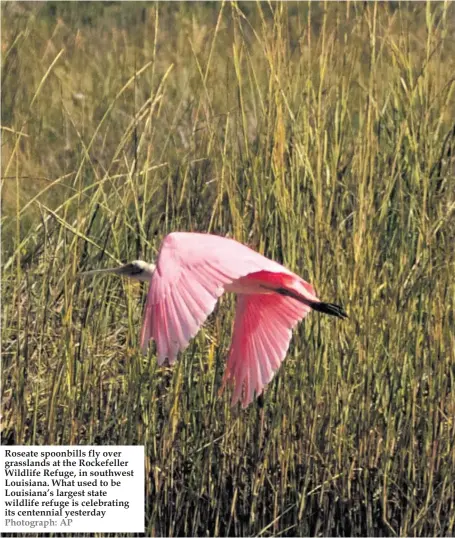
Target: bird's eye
(135, 269)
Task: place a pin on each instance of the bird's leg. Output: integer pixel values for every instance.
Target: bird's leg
(319, 306)
(329, 308)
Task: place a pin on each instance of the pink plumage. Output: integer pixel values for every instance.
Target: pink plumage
(193, 270)
(191, 273)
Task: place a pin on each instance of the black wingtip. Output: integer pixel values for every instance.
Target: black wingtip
(331, 309)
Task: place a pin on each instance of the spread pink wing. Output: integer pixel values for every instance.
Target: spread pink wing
(192, 271)
(262, 332)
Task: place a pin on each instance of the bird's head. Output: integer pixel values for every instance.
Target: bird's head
(137, 269)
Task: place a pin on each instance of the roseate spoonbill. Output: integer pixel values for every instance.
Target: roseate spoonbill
(191, 272)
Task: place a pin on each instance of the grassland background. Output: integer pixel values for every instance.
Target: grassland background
(321, 134)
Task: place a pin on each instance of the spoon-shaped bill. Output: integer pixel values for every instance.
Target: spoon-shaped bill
(122, 270)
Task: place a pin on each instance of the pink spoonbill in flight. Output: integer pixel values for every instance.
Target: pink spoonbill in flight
(192, 271)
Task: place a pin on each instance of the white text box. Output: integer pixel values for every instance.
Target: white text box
(72, 489)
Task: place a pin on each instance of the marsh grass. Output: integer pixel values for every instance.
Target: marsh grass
(320, 134)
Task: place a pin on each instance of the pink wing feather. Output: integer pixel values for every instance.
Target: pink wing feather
(192, 272)
(262, 332)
